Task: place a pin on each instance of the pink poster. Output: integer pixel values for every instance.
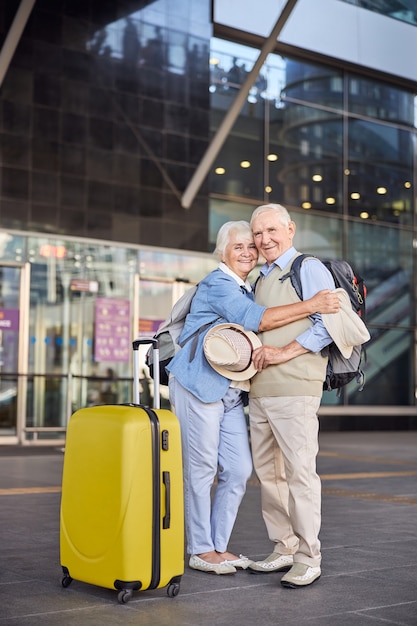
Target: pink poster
(112, 336)
(9, 319)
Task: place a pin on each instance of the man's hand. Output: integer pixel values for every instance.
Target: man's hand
(324, 301)
(268, 355)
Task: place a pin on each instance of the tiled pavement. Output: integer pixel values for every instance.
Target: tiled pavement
(369, 542)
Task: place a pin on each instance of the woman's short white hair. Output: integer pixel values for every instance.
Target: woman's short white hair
(223, 236)
(280, 211)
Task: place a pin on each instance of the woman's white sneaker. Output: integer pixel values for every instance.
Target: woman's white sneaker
(241, 563)
(211, 568)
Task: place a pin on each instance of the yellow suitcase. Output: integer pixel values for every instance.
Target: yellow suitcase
(121, 519)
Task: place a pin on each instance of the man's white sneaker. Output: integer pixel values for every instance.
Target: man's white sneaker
(300, 575)
(273, 563)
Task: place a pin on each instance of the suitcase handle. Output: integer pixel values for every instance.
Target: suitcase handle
(156, 390)
(166, 479)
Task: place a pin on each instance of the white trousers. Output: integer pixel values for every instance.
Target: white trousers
(214, 443)
(284, 438)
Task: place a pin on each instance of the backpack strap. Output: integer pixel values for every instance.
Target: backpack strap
(194, 336)
(294, 273)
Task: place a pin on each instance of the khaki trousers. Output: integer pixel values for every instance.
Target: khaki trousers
(284, 438)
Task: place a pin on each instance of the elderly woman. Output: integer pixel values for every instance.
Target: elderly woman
(210, 406)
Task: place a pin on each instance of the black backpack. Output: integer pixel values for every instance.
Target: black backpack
(340, 371)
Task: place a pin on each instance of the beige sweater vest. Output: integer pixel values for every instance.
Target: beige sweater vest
(301, 376)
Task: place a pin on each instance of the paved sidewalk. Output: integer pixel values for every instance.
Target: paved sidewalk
(369, 541)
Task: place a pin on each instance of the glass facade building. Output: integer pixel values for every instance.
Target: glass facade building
(106, 112)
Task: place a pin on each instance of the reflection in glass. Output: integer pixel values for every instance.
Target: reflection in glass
(380, 171)
(327, 157)
(399, 9)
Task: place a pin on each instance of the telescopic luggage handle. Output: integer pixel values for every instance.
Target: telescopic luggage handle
(155, 347)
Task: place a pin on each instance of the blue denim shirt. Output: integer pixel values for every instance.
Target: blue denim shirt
(219, 299)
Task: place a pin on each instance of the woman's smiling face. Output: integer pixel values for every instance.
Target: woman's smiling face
(240, 255)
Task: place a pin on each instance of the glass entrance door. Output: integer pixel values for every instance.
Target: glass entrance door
(14, 290)
(155, 298)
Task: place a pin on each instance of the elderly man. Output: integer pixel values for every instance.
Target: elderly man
(283, 403)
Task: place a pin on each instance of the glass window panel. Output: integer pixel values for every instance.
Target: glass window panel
(388, 369)
(162, 264)
(155, 300)
(12, 247)
(321, 236)
(380, 169)
(399, 9)
(318, 84)
(238, 169)
(382, 253)
(221, 211)
(383, 256)
(372, 98)
(177, 52)
(309, 167)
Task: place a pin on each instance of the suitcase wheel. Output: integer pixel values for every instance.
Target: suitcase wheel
(66, 581)
(124, 596)
(173, 590)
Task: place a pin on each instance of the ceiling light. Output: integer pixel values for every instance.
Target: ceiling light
(407, 184)
(306, 205)
(317, 178)
(364, 215)
(220, 170)
(272, 157)
(355, 195)
(245, 164)
(268, 189)
(330, 200)
(381, 190)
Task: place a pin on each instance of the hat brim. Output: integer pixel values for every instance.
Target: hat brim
(345, 327)
(247, 373)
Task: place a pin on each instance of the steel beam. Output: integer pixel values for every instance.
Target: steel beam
(14, 35)
(230, 118)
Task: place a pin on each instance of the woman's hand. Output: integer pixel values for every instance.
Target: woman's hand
(268, 355)
(324, 301)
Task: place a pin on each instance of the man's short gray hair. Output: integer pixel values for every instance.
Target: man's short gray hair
(281, 212)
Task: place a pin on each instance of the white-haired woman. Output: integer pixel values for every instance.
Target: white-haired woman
(210, 407)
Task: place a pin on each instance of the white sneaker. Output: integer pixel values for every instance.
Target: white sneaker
(273, 563)
(241, 563)
(211, 568)
(300, 575)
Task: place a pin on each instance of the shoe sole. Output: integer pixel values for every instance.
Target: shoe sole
(284, 568)
(210, 571)
(289, 585)
(213, 573)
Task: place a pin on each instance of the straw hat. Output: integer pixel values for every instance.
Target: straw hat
(345, 327)
(228, 349)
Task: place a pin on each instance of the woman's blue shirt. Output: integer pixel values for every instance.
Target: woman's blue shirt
(219, 299)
